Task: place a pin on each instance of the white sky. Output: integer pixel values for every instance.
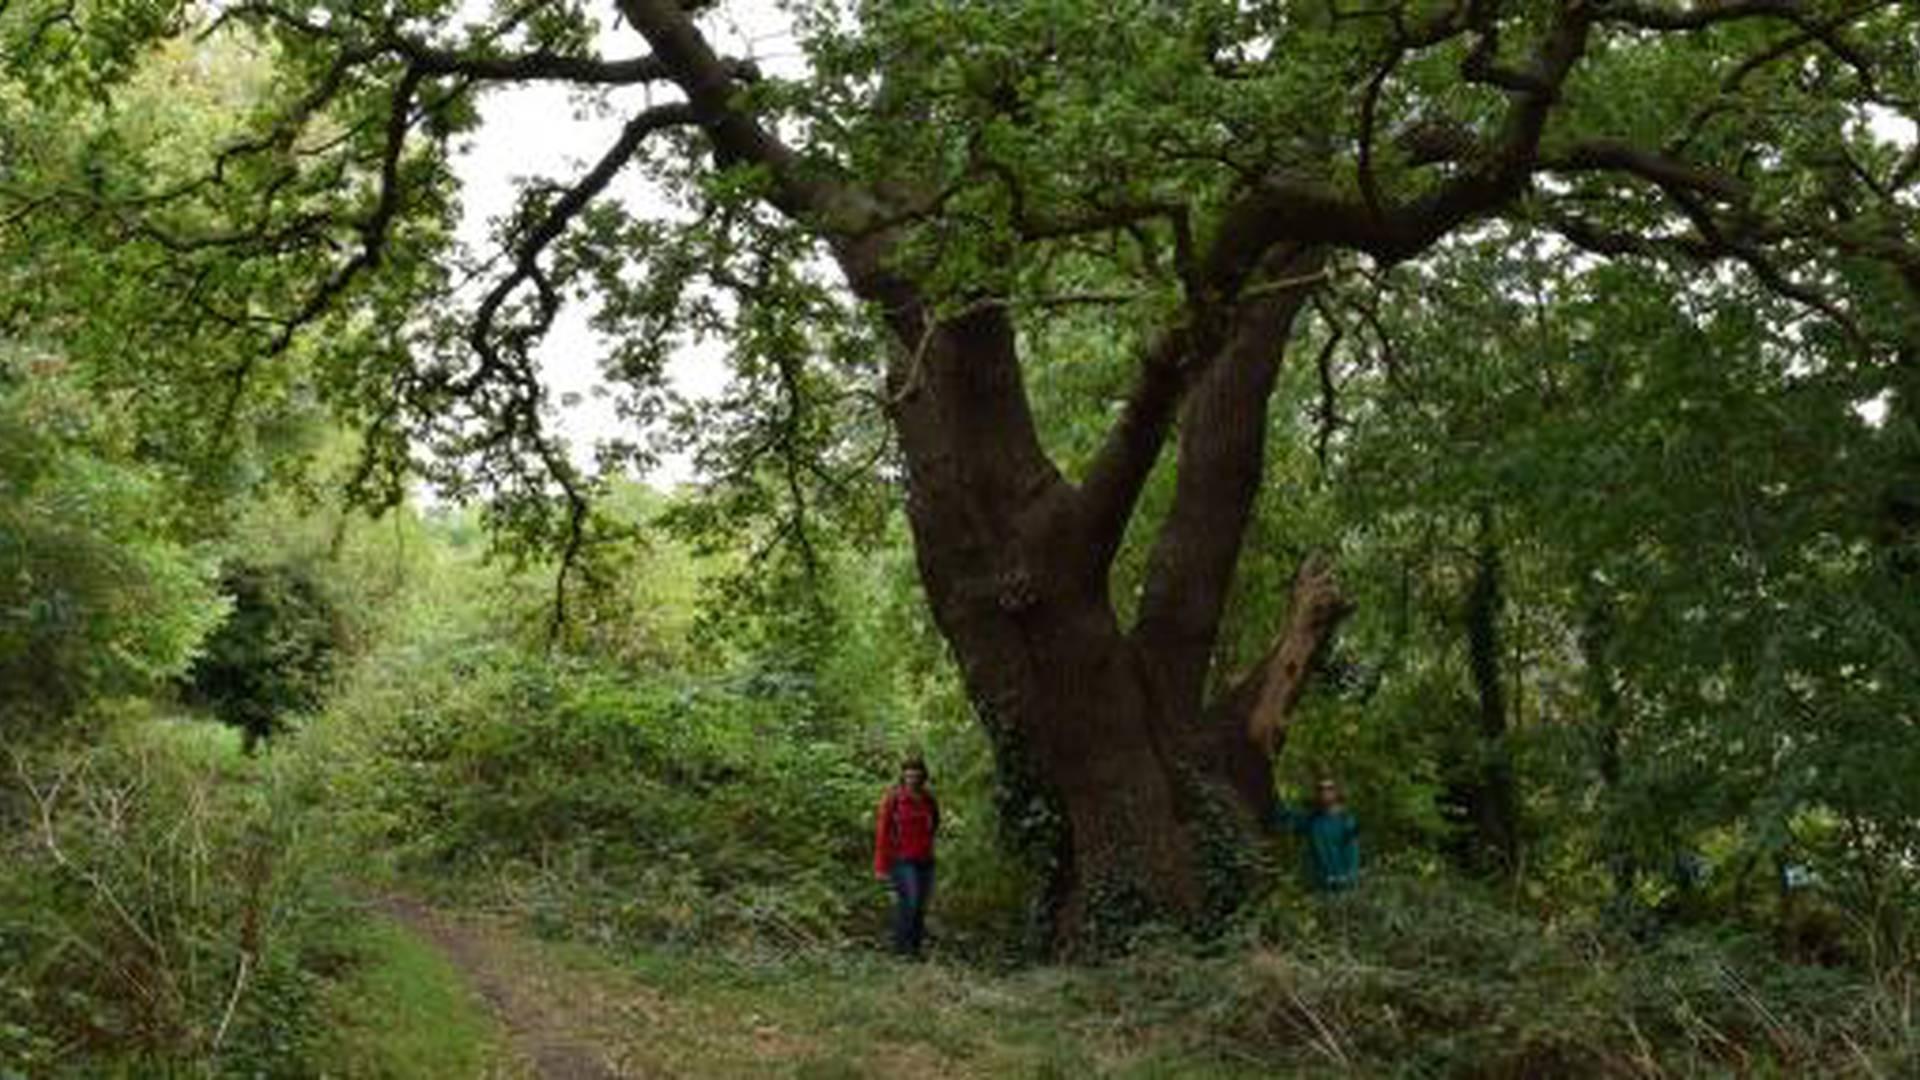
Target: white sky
(540, 131)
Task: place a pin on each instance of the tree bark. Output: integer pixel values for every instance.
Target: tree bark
(1596, 648)
(998, 539)
(1222, 454)
(1317, 606)
(1248, 724)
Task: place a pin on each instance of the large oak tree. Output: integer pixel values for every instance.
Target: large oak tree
(999, 189)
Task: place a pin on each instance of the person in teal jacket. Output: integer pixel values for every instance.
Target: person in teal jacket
(1333, 845)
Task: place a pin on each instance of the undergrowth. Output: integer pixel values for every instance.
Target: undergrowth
(677, 821)
(170, 909)
(1421, 977)
(608, 807)
(1407, 978)
(165, 907)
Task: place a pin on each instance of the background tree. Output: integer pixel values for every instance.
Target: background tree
(274, 655)
(98, 595)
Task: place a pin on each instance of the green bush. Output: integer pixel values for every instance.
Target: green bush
(1427, 977)
(97, 597)
(162, 909)
(273, 656)
(661, 807)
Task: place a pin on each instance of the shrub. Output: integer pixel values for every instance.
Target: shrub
(655, 807)
(274, 654)
(1425, 976)
(97, 598)
(163, 908)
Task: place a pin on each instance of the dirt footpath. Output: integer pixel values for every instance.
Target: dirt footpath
(575, 1021)
(546, 1027)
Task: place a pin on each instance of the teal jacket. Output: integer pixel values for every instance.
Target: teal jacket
(1333, 845)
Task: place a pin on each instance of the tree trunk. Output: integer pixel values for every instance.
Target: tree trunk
(1149, 795)
(1491, 801)
(1596, 640)
(1143, 826)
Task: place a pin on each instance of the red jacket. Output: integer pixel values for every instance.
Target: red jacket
(904, 828)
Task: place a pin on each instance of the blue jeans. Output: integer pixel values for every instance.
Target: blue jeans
(912, 889)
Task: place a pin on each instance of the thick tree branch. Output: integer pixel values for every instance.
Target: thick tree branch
(1133, 444)
(1669, 173)
(530, 67)
(554, 222)
(373, 229)
(803, 190)
(1194, 556)
(1804, 16)
(1035, 227)
(1307, 211)
(1656, 16)
(955, 388)
(1315, 609)
(1169, 366)
(1221, 456)
(1369, 113)
(1505, 170)
(1597, 239)
(1327, 412)
(1738, 237)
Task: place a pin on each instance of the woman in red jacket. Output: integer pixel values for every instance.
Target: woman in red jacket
(903, 852)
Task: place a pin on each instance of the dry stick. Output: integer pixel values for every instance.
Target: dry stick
(233, 999)
(1329, 1042)
(1859, 1052)
(44, 804)
(1648, 1064)
(911, 383)
(1777, 1030)
(1282, 284)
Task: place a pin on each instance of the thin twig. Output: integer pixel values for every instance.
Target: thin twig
(233, 999)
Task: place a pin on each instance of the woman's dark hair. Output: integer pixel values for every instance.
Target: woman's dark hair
(915, 761)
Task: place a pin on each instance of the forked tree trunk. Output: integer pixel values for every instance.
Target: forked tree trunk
(1156, 791)
(1156, 804)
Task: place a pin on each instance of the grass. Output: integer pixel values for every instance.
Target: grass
(1409, 977)
(404, 1012)
(823, 1015)
(1410, 980)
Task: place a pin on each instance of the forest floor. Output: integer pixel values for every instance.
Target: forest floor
(553, 1028)
(533, 1009)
